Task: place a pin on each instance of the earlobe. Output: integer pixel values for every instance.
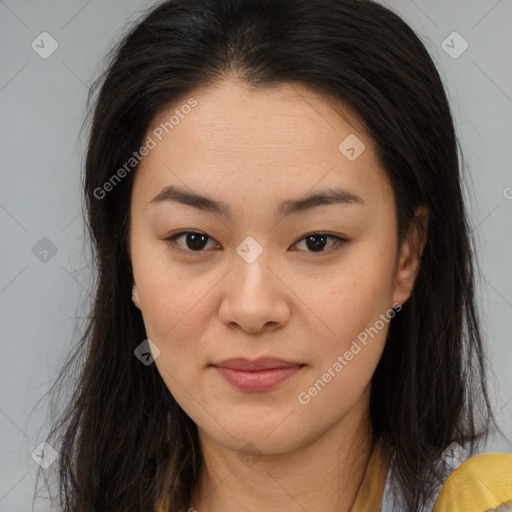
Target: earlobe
(410, 256)
(135, 296)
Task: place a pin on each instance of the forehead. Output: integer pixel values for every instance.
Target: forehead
(283, 136)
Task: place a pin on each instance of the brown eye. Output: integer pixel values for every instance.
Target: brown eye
(316, 242)
(194, 242)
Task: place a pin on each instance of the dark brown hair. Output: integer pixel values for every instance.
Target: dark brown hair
(123, 441)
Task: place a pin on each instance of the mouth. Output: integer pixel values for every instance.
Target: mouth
(259, 375)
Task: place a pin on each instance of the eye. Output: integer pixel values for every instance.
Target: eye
(195, 241)
(317, 241)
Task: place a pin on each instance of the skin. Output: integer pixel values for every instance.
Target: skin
(253, 149)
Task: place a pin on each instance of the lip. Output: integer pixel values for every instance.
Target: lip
(259, 375)
(263, 363)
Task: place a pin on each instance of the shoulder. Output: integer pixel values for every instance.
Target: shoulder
(482, 483)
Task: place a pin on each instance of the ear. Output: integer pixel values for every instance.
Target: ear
(135, 296)
(409, 262)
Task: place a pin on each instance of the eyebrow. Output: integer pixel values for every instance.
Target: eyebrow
(330, 196)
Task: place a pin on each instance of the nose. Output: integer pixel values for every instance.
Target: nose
(255, 298)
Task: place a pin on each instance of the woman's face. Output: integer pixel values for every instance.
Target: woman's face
(252, 284)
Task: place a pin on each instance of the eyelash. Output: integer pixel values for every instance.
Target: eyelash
(170, 241)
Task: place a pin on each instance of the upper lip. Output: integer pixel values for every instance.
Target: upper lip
(263, 363)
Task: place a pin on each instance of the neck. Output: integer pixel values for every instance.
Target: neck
(322, 475)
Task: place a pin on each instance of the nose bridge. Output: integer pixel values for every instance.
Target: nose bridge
(251, 262)
(254, 297)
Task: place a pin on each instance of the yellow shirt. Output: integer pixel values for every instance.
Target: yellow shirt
(480, 484)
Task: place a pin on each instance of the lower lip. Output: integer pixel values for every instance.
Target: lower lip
(259, 380)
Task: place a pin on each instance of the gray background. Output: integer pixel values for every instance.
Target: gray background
(42, 107)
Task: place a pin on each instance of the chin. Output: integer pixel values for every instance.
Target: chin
(270, 437)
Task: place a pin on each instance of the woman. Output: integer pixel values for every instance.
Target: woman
(284, 315)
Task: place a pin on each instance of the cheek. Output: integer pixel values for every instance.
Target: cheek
(356, 313)
(171, 296)
(354, 297)
(177, 309)
(359, 315)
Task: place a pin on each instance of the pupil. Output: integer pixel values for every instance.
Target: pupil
(316, 246)
(196, 244)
